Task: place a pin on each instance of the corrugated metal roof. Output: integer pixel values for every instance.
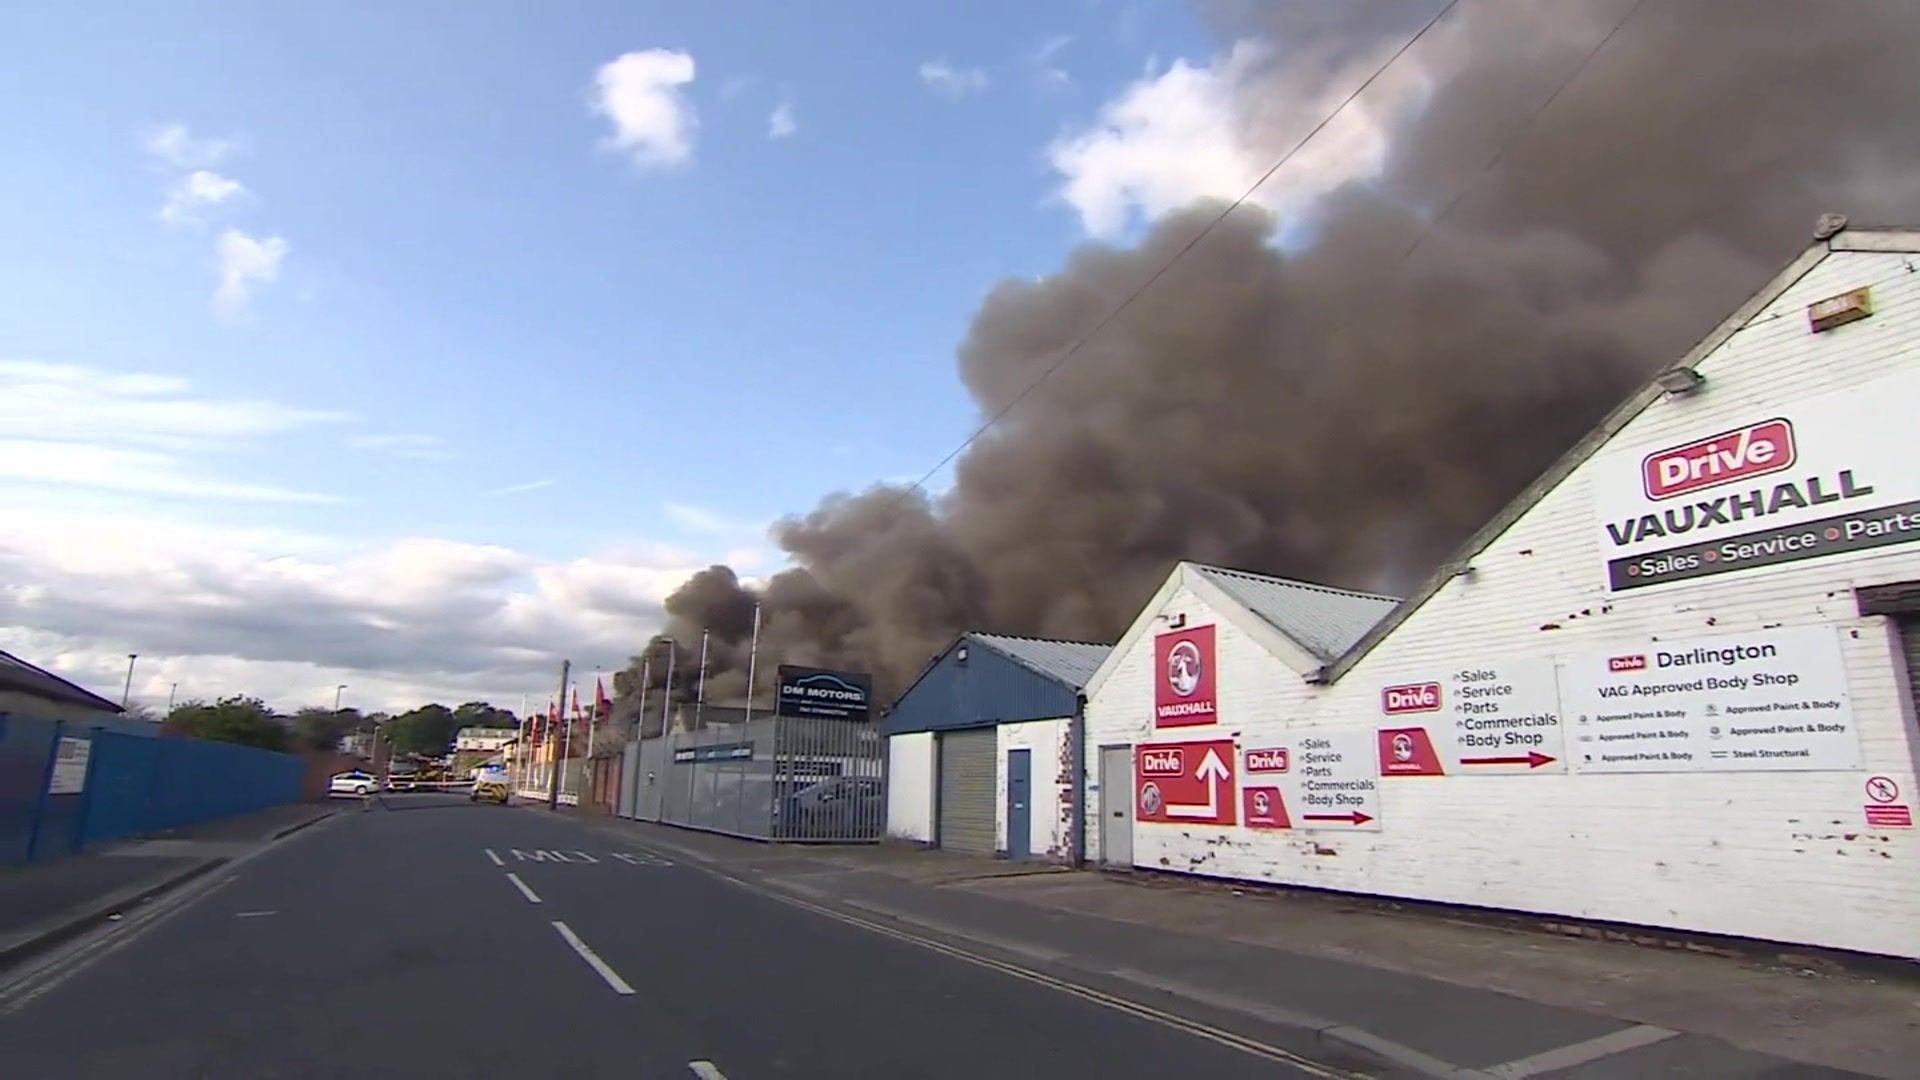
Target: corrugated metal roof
(17, 674)
(1071, 662)
(1325, 621)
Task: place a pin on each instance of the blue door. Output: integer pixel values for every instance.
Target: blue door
(1019, 804)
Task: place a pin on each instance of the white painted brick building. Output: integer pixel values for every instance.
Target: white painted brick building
(1787, 851)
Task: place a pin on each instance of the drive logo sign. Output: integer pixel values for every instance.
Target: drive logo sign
(1184, 680)
(1411, 698)
(1754, 450)
(1631, 662)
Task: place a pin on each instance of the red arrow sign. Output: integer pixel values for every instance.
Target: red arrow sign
(1532, 760)
(1355, 818)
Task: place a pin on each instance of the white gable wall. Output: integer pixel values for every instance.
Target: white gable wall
(1777, 855)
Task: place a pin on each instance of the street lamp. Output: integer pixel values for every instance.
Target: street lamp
(336, 696)
(127, 691)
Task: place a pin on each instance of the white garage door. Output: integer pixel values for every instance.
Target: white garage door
(966, 790)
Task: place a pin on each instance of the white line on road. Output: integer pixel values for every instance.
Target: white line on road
(705, 1070)
(593, 960)
(253, 914)
(522, 886)
(495, 858)
(1566, 1057)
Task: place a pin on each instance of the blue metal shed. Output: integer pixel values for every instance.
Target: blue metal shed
(987, 679)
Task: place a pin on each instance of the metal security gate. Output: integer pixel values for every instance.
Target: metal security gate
(966, 791)
(788, 778)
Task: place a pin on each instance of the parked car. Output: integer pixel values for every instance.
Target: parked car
(489, 785)
(353, 782)
(845, 806)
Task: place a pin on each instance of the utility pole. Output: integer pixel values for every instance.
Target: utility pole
(336, 696)
(127, 691)
(700, 688)
(553, 781)
(171, 690)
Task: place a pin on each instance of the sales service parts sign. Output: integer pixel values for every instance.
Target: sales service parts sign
(1831, 475)
(1769, 700)
(1184, 783)
(1183, 683)
(1313, 778)
(1486, 719)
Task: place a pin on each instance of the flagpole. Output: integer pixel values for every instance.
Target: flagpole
(666, 747)
(646, 679)
(566, 742)
(746, 728)
(700, 691)
(753, 654)
(593, 718)
(553, 782)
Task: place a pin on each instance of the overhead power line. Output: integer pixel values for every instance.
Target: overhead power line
(1081, 342)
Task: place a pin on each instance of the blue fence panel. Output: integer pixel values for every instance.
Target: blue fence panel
(120, 787)
(135, 784)
(26, 745)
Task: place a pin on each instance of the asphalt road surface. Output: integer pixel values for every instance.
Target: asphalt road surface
(439, 938)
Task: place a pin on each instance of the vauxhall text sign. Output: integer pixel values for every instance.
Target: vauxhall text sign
(1825, 477)
(832, 695)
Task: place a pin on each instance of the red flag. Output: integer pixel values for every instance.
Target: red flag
(602, 708)
(576, 703)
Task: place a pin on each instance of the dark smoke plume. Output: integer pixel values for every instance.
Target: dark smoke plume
(1325, 408)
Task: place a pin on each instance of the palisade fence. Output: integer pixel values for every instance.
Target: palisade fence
(66, 784)
(787, 778)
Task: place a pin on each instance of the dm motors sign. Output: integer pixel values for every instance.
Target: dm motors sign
(830, 695)
(1829, 476)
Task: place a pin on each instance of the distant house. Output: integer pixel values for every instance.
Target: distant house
(33, 691)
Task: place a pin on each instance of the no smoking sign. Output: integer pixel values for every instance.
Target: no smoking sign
(1882, 789)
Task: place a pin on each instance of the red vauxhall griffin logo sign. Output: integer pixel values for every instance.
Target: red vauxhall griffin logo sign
(1754, 450)
(1183, 678)
(1412, 698)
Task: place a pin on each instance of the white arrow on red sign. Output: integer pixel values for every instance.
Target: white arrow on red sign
(1212, 772)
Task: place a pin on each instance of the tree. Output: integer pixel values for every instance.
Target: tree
(244, 720)
(315, 728)
(426, 730)
(482, 714)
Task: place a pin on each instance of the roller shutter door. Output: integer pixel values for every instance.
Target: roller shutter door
(966, 790)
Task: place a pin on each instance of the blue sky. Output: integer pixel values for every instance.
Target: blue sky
(767, 321)
(300, 294)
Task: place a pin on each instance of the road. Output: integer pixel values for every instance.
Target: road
(438, 938)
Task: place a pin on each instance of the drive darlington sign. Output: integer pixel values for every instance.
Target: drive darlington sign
(1831, 477)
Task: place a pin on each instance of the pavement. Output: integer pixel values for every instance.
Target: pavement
(45, 902)
(431, 937)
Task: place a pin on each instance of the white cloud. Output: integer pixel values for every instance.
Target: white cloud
(286, 616)
(781, 124)
(176, 145)
(653, 122)
(197, 191)
(69, 426)
(515, 489)
(1051, 75)
(1171, 138)
(145, 472)
(404, 444)
(698, 519)
(245, 261)
(945, 79)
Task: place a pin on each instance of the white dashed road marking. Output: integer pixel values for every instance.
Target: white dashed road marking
(495, 858)
(522, 886)
(593, 960)
(706, 1071)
